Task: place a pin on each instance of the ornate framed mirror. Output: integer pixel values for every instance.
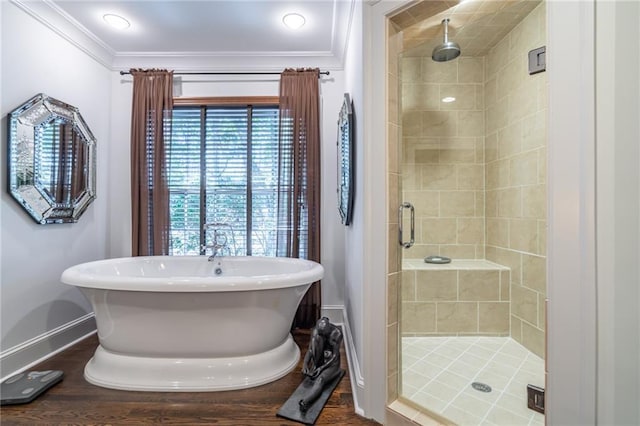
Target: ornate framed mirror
(345, 161)
(52, 160)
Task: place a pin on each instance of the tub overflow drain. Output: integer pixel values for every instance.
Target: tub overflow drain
(482, 387)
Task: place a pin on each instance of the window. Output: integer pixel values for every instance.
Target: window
(223, 168)
(61, 154)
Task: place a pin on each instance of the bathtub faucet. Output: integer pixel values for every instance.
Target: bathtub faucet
(217, 251)
(219, 238)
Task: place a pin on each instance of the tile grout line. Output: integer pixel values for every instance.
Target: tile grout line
(476, 375)
(442, 369)
(434, 350)
(499, 396)
(450, 342)
(506, 386)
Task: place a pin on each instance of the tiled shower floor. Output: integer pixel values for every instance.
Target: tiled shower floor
(437, 373)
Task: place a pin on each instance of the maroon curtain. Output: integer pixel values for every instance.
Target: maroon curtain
(299, 179)
(150, 127)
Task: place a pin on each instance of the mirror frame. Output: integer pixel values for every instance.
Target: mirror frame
(26, 183)
(345, 161)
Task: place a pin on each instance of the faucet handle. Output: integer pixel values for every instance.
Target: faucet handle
(219, 239)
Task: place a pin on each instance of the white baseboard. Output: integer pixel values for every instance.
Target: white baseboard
(38, 349)
(337, 315)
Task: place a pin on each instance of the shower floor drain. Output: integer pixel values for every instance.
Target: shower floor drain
(482, 387)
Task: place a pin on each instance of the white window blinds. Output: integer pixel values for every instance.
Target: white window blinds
(223, 168)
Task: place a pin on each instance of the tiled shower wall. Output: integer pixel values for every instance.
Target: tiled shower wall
(515, 153)
(394, 46)
(490, 143)
(443, 154)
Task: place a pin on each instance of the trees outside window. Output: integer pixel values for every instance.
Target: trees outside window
(222, 167)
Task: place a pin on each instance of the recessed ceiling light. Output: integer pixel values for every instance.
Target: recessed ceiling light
(448, 99)
(116, 21)
(293, 20)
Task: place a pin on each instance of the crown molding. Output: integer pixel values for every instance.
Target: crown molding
(342, 29)
(56, 19)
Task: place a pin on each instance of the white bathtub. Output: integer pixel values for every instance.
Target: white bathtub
(170, 323)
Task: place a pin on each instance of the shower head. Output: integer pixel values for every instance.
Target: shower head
(448, 50)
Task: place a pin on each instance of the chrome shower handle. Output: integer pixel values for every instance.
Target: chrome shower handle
(403, 206)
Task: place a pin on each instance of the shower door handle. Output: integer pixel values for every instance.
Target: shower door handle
(403, 206)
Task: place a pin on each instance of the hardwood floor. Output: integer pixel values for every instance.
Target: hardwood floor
(76, 402)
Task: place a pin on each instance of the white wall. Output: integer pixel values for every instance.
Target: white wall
(375, 205)
(618, 211)
(594, 221)
(354, 85)
(331, 89)
(354, 234)
(571, 243)
(2, 159)
(33, 301)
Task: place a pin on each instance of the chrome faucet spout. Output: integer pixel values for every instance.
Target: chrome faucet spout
(217, 251)
(218, 239)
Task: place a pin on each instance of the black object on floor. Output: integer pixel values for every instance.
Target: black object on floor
(23, 388)
(291, 409)
(535, 398)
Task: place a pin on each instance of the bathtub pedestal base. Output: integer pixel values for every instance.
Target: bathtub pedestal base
(125, 372)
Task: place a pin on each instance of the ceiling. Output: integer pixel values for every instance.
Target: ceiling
(227, 35)
(476, 25)
(202, 34)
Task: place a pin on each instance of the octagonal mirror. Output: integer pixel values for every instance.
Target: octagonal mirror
(52, 160)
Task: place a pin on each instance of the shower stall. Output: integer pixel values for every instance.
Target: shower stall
(471, 188)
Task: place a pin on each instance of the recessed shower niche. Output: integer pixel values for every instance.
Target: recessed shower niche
(52, 160)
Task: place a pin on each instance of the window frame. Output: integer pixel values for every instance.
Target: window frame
(215, 101)
(203, 103)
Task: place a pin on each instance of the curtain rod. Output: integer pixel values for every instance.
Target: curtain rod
(225, 73)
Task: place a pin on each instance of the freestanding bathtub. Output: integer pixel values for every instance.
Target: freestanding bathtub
(181, 323)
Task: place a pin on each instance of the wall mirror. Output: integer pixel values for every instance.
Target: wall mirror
(345, 161)
(52, 160)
